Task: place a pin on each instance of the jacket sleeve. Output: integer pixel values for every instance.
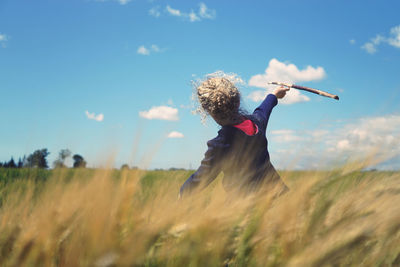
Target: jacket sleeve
(209, 169)
(263, 111)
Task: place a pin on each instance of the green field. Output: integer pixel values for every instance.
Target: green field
(99, 217)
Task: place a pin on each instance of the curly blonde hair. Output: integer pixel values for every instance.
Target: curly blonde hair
(220, 98)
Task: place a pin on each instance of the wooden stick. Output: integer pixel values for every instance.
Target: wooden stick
(308, 89)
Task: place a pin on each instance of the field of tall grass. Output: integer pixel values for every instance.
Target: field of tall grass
(100, 217)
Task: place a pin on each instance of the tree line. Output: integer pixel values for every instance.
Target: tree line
(38, 159)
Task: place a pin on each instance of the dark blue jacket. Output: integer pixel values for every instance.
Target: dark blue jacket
(243, 159)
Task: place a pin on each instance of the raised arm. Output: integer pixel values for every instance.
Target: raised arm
(263, 111)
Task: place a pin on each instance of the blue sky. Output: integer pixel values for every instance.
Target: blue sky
(111, 80)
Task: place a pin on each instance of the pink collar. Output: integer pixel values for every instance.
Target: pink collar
(248, 127)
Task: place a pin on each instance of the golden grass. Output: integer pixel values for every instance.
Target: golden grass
(337, 218)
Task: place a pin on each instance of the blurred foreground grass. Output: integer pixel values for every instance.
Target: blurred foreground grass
(98, 217)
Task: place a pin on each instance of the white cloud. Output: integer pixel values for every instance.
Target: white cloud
(343, 145)
(257, 96)
(175, 134)
(282, 136)
(282, 72)
(142, 50)
(370, 47)
(160, 113)
(279, 71)
(3, 39)
(155, 11)
(173, 12)
(186, 106)
(122, 2)
(293, 96)
(193, 17)
(206, 13)
(93, 116)
(319, 133)
(367, 134)
(155, 48)
(375, 139)
(203, 13)
(392, 40)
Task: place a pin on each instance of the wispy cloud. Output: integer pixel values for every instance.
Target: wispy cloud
(283, 136)
(175, 134)
(155, 48)
(173, 12)
(142, 50)
(370, 47)
(393, 39)
(206, 13)
(160, 113)
(193, 17)
(352, 41)
(121, 2)
(155, 11)
(3, 39)
(284, 72)
(93, 116)
(203, 13)
(375, 137)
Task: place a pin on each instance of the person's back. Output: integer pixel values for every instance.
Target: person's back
(245, 161)
(240, 149)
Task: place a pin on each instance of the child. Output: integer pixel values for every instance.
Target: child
(240, 149)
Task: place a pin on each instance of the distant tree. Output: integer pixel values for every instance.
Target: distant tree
(20, 163)
(38, 159)
(125, 167)
(11, 163)
(1, 164)
(24, 161)
(79, 161)
(62, 156)
(176, 169)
